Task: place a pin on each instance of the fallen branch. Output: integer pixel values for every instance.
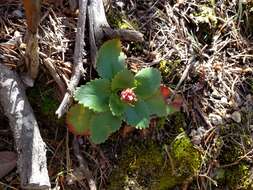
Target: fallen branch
(83, 166)
(32, 161)
(78, 64)
(99, 29)
(51, 68)
(125, 35)
(32, 11)
(32, 57)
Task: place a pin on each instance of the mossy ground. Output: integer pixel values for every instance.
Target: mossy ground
(161, 165)
(150, 164)
(237, 142)
(44, 101)
(121, 21)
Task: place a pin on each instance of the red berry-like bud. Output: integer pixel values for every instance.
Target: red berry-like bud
(165, 91)
(128, 96)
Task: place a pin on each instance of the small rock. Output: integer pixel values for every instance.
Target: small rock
(249, 100)
(193, 133)
(215, 94)
(201, 131)
(121, 4)
(224, 101)
(18, 13)
(215, 119)
(236, 116)
(238, 99)
(197, 135)
(196, 140)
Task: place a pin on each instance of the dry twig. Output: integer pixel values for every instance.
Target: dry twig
(78, 61)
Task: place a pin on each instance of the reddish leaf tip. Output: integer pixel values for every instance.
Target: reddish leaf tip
(165, 91)
(72, 129)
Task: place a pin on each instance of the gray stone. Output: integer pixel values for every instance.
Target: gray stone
(236, 116)
(215, 119)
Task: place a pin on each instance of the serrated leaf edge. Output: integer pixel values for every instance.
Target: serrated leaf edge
(138, 82)
(86, 84)
(125, 69)
(118, 45)
(108, 135)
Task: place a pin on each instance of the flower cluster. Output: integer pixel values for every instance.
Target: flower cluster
(128, 96)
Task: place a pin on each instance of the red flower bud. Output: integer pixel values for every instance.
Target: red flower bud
(128, 96)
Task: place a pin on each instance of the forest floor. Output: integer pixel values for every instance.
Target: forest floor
(204, 50)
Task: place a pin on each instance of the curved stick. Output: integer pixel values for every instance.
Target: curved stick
(78, 64)
(32, 161)
(99, 29)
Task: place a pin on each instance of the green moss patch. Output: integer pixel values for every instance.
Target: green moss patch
(44, 104)
(119, 20)
(239, 177)
(236, 141)
(149, 165)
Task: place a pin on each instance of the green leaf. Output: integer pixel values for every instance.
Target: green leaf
(110, 59)
(103, 125)
(157, 105)
(94, 95)
(148, 82)
(170, 109)
(122, 80)
(78, 119)
(137, 115)
(116, 105)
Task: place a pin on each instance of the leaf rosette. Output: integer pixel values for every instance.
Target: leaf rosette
(117, 96)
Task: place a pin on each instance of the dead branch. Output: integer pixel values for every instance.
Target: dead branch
(99, 29)
(83, 166)
(98, 18)
(78, 64)
(32, 161)
(125, 35)
(32, 57)
(32, 10)
(51, 68)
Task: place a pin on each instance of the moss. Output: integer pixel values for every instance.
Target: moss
(137, 165)
(205, 22)
(149, 165)
(44, 103)
(231, 134)
(236, 140)
(206, 15)
(161, 122)
(230, 154)
(177, 120)
(48, 105)
(183, 151)
(239, 177)
(168, 68)
(119, 20)
(219, 175)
